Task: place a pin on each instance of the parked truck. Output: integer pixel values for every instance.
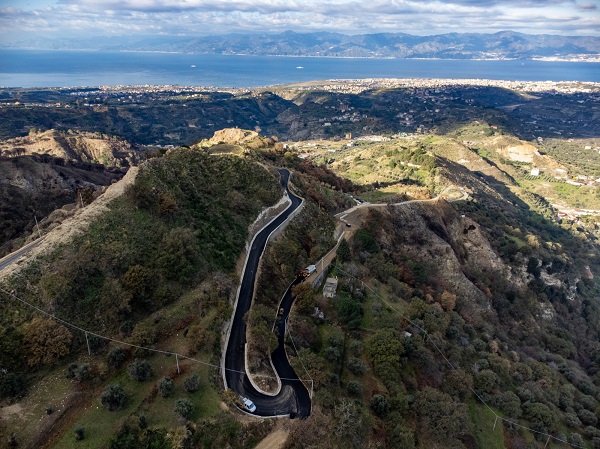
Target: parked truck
(308, 270)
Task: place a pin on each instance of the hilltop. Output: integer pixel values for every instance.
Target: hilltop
(141, 265)
(32, 187)
(86, 147)
(46, 170)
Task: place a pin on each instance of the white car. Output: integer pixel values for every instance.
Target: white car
(249, 405)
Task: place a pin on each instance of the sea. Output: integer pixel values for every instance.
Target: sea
(37, 68)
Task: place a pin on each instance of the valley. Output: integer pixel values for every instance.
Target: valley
(463, 220)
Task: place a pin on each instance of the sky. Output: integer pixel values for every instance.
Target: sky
(23, 19)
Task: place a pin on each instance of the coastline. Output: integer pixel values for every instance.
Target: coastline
(573, 59)
(80, 68)
(340, 85)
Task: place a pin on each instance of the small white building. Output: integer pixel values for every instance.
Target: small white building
(535, 172)
(330, 287)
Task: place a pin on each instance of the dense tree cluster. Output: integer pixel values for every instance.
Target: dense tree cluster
(540, 371)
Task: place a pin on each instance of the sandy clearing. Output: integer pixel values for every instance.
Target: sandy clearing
(9, 410)
(275, 440)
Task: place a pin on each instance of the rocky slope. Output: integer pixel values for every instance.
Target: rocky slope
(62, 225)
(34, 186)
(74, 146)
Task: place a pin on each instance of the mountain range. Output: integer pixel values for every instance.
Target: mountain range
(502, 45)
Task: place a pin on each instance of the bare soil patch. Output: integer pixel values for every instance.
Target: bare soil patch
(275, 440)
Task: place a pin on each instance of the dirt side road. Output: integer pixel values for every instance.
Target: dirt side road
(275, 440)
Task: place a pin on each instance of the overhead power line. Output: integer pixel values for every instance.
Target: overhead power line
(125, 343)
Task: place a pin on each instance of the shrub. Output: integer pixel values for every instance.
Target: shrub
(45, 341)
(587, 417)
(83, 372)
(71, 370)
(354, 388)
(79, 433)
(572, 420)
(588, 402)
(440, 416)
(97, 344)
(565, 402)
(355, 347)
(131, 436)
(113, 397)
(576, 440)
(349, 311)
(116, 357)
(485, 381)
(79, 372)
(380, 405)
(140, 370)
(540, 417)
(591, 432)
(401, 436)
(385, 351)
(343, 251)
(166, 386)
(356, 366)
(142, 422)
(184, 408)
(192, 383)
(333, 354)
(510, 404)
(12, 385)
(458, 384)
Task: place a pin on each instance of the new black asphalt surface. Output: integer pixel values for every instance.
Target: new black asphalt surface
(293, 398)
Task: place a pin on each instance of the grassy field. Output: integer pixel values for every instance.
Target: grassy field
(100, 424)
(563, 193)
(384, 170)
(482, 419)
(79, 405)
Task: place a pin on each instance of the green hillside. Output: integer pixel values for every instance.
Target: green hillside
(467, 324)
(156, 270)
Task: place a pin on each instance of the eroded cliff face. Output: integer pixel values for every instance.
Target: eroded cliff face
(34, 186)
(73, 146)
(448, 255)
(448, 248)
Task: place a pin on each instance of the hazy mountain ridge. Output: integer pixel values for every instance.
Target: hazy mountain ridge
(502, 45)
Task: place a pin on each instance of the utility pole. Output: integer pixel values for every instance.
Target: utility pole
(37, 225)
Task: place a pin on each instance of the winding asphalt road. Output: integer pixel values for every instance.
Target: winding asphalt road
(293, 399)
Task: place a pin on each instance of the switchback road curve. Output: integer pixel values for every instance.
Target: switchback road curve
(293, 398)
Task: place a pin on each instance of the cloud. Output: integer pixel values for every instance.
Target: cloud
(271, 6)
(201, 17)
(509, 3)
